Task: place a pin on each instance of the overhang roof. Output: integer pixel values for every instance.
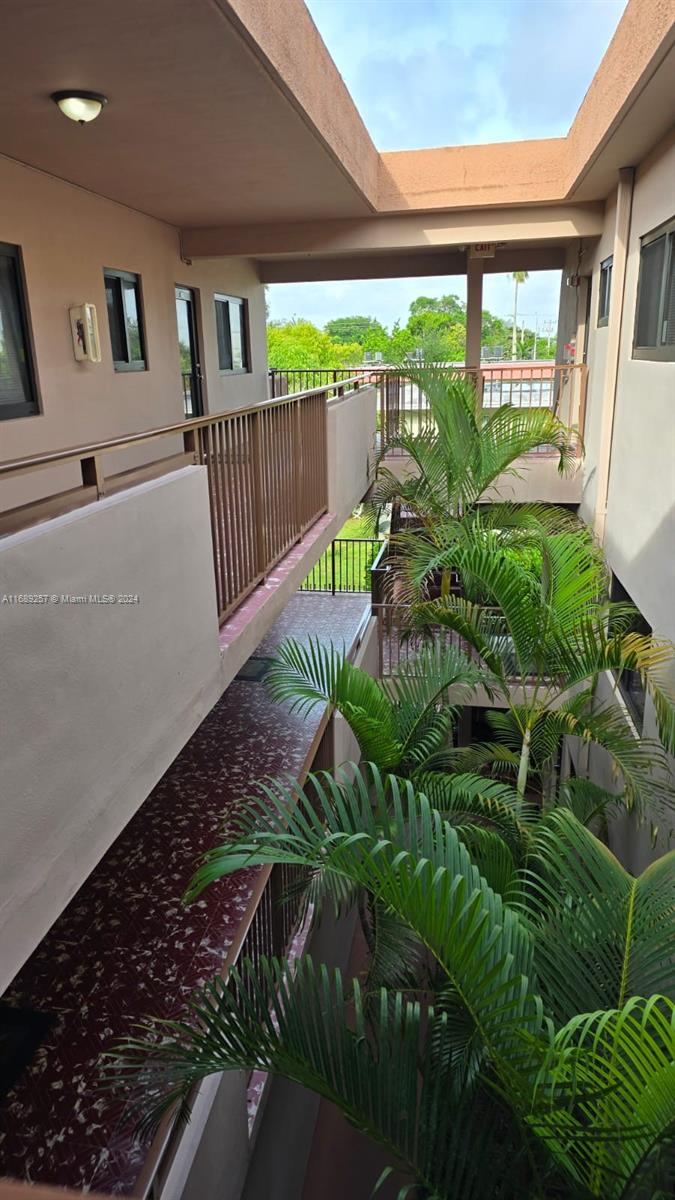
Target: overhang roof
(225, 113)
(200, 127)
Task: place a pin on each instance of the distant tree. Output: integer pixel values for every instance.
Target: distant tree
(354, 329)
(435, 331)
(299, 344)
(401, 343)
(451, 305)
(377, 341)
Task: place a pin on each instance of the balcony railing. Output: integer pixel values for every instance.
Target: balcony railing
(344, 567)
(402, 404)
(561, 388)
(285, 381)
(267, 470)
(399, 644)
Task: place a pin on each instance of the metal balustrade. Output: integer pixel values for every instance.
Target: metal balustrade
(344, 567)
(402, 404)
(267, 469)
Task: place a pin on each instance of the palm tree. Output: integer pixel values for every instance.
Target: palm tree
(455, 461)
(462, 451)
(398, 727)
(544, 644)
(518, 277)
(497, 1086)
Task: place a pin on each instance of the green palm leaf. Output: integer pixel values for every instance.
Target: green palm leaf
(601, 935)
(610, 1085)
(311, 674)
(384, 838)
(389, 1072)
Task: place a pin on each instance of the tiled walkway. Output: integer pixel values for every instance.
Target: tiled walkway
(125, 948)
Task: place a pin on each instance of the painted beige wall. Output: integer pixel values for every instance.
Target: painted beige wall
(96, 700)
(538, 481)
(596, 358)
(640, 527)
(67, 236)
(110, 694)
(640, 531)
(543, 223)
(351, 449)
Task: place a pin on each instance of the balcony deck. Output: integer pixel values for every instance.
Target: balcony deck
(125, 948)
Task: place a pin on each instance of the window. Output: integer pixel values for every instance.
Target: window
(630, 682)
(232, 331)
(18, 396)
(123, 301)
(605, 291)
(655, 314)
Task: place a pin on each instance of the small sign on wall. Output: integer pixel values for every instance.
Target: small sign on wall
(84, 330)
(483, 250)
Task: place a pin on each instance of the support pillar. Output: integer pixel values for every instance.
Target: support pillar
(474, 311)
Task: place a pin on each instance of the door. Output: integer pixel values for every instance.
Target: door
(190, 358)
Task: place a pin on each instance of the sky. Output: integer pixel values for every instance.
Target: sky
(447, 72)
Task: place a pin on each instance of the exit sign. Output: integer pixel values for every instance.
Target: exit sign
(483, 250)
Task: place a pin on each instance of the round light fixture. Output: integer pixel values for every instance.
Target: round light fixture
(80, 106)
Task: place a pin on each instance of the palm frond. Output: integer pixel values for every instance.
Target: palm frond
(389, 1074)
(385, 838)
(609, 1081)
(601, 935)
(311, 674)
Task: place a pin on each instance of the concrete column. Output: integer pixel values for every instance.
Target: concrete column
(624, 204)
(474, 310)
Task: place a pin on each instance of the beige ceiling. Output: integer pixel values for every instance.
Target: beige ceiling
(230, 113)
(196, 130)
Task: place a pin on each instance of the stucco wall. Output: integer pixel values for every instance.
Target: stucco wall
(538, 480)
(640, 531)
(67, 236)
(596, 357)
(351, 445)
(640, 527)
(96, 699)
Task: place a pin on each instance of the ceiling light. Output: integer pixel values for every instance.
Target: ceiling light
(80, 106)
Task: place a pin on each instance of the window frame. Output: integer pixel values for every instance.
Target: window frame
(122, 277)
(605, 295)
(32, 407)
(661, 352)
(242, 305)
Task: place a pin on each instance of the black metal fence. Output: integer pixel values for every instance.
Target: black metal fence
(288, 380)
(344, 567)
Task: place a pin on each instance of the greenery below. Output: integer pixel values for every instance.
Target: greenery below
(349, 559)
(511, 1035)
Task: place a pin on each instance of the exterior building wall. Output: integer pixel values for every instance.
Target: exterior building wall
(596, 357)
(640, 532)
(67, 236)
(97, 699)
(640, 525)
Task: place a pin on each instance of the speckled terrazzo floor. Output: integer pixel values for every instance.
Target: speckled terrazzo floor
(125, 948)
